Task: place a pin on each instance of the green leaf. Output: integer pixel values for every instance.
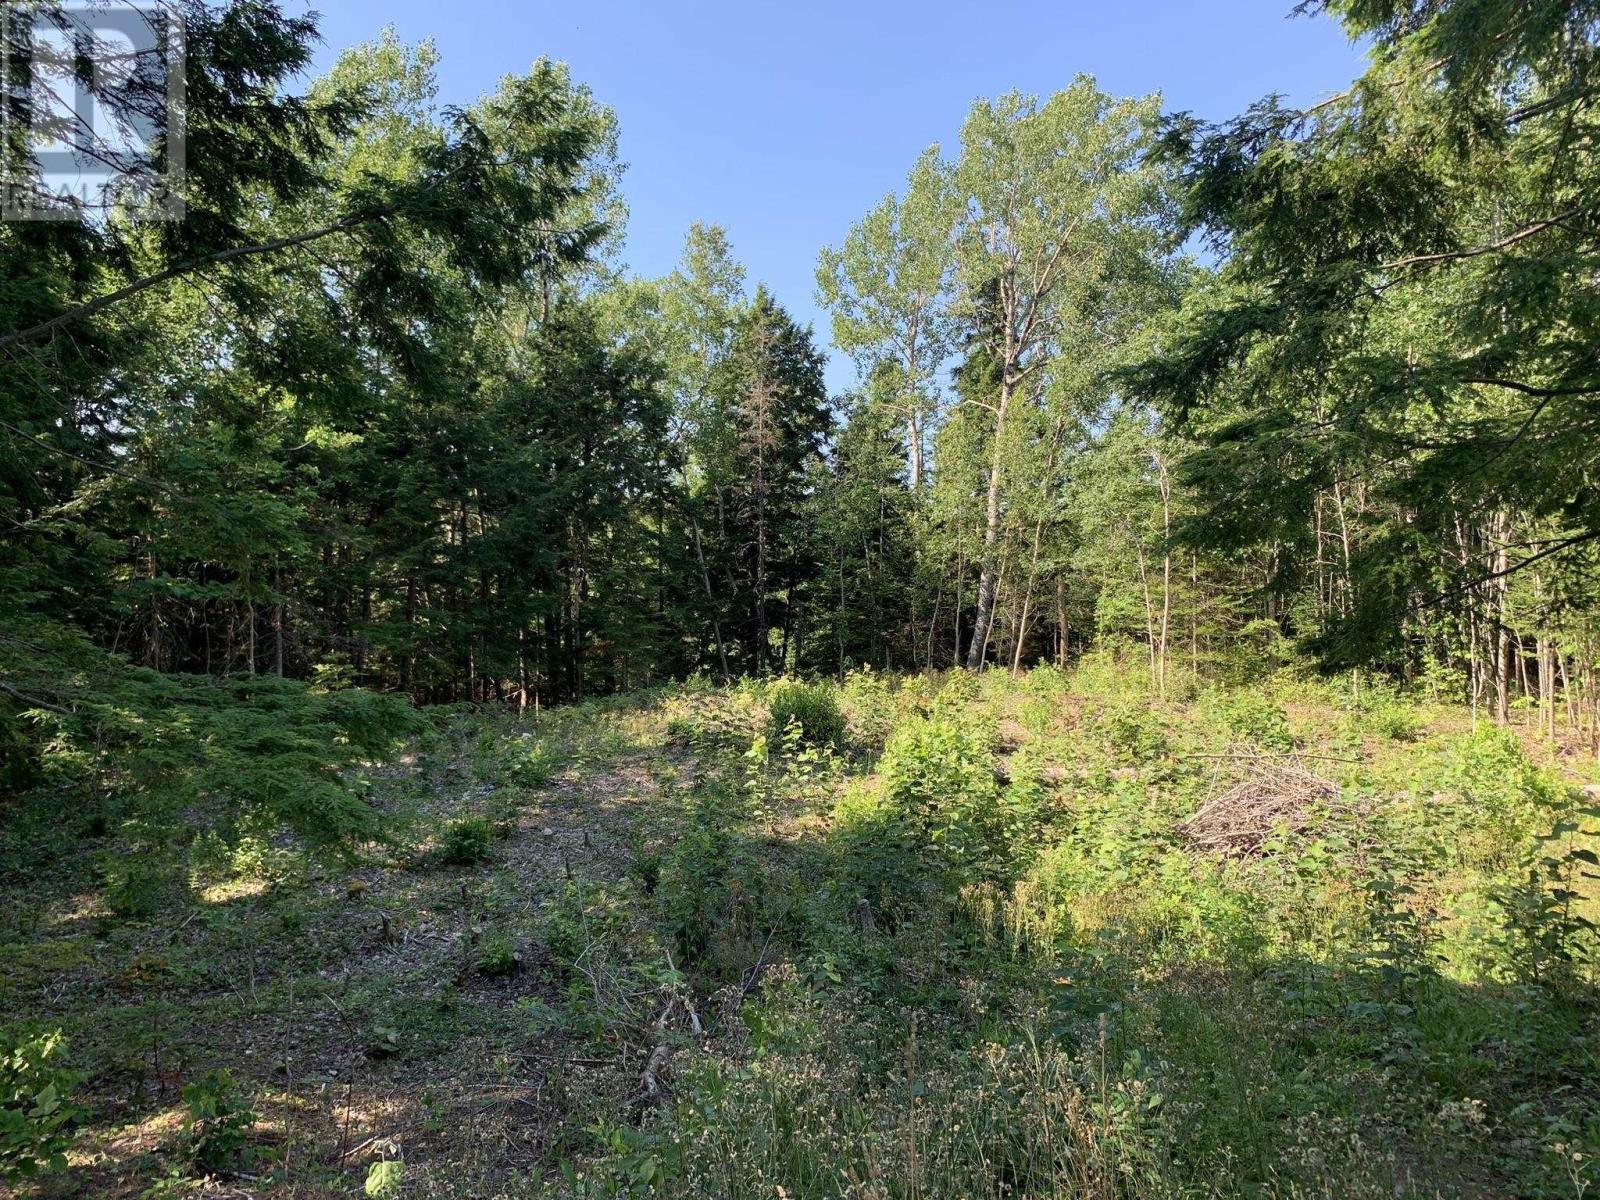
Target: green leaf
(46, 1102)
(383, 1178)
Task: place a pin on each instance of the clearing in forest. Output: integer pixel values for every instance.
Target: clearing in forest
(935, 936)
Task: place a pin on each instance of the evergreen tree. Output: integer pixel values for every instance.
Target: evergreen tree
(864, 513)
(776, 413)
(1398, 343)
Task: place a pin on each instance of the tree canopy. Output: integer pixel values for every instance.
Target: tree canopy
(384, 421)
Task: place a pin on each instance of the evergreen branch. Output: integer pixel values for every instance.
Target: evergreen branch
(1537, 109)
(1555, 547)
(89, 462)
(34, 701)
(1494, 247)
(1529, 389)
(178, 270)
(194, 266)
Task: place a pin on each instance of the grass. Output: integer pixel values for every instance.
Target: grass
(960, 948)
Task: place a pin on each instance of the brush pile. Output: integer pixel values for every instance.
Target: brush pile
(1264, 796)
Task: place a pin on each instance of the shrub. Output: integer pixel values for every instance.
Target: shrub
(1396, 721)
(1183, 687)
(1492, 769)
(1251, 717)
(136, 882)
(486, 754)
(520, 760)
(1115, 840)
(1495, 794)
(1046, 681)
(384, 1179)
(869, 704)
(1385, 714)
(35, 1115)
(466, 842)
(1111, 672)
(809, 707)
(1259, 650)
(497, 957)
(1019, 1118)
(692, 888)
(645, 866)
(879, 857)
(217, 1127)
(957, 695)
(714, 896)
(1544, 937)
(530, 764)
(939, 803)
(1137, 734)
(702, 721)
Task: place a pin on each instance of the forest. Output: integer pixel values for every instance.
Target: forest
(476, 721)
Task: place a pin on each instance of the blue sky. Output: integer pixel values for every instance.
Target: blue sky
(786, 122)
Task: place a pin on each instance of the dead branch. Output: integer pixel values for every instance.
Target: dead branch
(650, 1082)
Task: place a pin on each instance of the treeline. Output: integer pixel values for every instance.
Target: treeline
(1357, 419)
(385, 411)
(381, 420)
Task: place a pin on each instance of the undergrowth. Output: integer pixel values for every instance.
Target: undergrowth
(936, 936)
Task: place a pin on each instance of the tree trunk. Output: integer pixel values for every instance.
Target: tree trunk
(705, 579)
(991, 531)
(914, 441)
(1166, 572)
(1063, 630)
(1503, 675)
(408, 661)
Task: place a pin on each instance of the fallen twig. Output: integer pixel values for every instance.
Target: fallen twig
(650, 1081)
(754, 973)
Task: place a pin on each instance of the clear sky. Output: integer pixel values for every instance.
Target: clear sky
(785, 122)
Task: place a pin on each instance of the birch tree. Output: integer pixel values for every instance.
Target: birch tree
(887, 289)
(1058, 213)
